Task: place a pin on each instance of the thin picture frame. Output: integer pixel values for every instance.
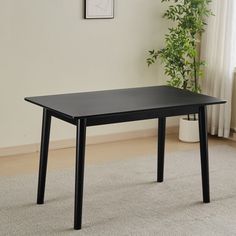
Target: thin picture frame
(98, 9)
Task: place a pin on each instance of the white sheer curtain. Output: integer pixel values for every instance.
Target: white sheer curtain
(219, 51)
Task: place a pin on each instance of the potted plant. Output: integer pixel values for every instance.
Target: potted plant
(180, 55)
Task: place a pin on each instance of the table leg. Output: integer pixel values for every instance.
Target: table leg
(79, 172)
(46, 124)
(161, 148)
(204, 153)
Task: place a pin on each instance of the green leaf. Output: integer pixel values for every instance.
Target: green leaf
(180, 54)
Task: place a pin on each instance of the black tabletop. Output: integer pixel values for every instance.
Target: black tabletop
(88, 104)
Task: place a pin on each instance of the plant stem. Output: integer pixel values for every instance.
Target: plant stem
(195, 74)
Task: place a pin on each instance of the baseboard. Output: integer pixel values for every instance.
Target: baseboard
(233, 135)
(69, 143)
(15, 150)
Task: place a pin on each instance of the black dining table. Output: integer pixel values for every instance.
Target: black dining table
(87, 109)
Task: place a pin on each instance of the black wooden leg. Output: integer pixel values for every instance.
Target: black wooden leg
(204, 153)
(79, 172)
(46, 124)
(161, 148)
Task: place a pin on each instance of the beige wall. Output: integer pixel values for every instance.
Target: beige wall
(46, 47)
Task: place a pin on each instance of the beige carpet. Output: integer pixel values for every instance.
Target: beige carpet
(122, 198)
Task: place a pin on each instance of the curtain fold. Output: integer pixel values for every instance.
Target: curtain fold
(218, 50)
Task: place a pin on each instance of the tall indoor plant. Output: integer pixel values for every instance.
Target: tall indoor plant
(180, 55)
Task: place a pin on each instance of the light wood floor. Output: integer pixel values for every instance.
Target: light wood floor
(97, 153)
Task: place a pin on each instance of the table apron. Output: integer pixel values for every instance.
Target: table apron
(128, 116)
(141, 115)
(63, 117)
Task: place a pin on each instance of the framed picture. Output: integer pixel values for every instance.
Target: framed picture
(98, 9)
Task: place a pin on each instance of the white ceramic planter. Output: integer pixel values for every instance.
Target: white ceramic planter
(188, 130)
